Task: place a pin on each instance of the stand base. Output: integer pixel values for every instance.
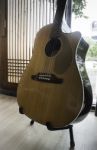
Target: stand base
(96, 110)
(32, 122)
(70, 127)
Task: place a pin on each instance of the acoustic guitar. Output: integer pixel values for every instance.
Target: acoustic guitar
(53, 87)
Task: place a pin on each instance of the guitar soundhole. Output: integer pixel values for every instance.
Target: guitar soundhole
(52, 47)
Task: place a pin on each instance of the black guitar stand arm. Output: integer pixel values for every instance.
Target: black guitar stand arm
(70, 127)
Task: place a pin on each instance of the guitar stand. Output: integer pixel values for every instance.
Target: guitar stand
(70, 127)
(96, 110)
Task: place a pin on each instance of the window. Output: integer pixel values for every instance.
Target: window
(88, 28)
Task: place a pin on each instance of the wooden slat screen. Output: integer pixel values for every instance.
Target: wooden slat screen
(25, 18)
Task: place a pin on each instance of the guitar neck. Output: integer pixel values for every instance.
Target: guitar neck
(59, 13)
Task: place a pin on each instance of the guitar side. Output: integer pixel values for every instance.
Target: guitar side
(88, 96)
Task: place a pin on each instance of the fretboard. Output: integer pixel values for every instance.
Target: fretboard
(59, 13)
(57, 23)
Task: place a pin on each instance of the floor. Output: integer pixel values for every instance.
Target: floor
(17, 134)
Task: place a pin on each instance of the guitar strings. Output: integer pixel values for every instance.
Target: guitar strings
(56, 34)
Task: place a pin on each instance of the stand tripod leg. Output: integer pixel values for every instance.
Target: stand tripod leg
(96, 110)
(72, 143)
(31, 122)
(70, 127)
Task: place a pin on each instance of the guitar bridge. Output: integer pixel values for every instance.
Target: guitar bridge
(45, 77)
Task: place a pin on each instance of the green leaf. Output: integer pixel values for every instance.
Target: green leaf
(78, 8)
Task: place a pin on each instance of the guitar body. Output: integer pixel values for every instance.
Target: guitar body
(53, 89)
(57, 103)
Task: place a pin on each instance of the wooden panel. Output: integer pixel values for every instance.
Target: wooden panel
(3, 43)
